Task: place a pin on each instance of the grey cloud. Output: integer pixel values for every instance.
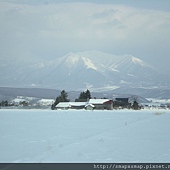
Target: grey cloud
(104, 13)
(48, 31)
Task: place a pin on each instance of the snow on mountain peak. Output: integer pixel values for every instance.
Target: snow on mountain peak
(137, 61)
(103, 62)
(96, 68)
(89, 64)
(75, 59)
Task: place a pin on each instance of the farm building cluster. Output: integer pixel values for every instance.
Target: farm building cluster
(117, 102)
(100, 104)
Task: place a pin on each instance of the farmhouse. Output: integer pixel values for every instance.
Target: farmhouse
(98, 104)
(77, 105)
(63, 105)
(70, 105)
(121, 102)
(89, 107)
(101, 104)
(130, 102)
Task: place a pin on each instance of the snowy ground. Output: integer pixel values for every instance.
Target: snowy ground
(84, 136)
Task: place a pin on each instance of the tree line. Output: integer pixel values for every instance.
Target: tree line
(4, 103)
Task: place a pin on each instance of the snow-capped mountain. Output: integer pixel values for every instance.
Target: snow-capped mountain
(90, 69)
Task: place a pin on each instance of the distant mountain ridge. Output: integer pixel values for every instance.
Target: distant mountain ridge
(89, 69)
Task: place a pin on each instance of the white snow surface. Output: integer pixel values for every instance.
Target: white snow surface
(80, 136)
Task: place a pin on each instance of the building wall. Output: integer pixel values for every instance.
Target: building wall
(77, 107)
(103, 106)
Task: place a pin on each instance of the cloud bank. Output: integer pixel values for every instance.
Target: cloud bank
(48, 30)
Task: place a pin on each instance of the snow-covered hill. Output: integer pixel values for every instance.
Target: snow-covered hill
(40, 136)
(90, 69)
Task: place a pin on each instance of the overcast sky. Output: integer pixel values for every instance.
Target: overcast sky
(46, 29)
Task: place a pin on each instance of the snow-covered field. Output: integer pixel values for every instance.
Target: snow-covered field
(84, 136)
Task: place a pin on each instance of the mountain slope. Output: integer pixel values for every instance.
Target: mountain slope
(90, 69)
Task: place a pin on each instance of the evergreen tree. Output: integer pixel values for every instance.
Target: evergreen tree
(85, 95)
(63, 97)
(82, 95)
(4, 103)
(135, 105)
(88, 94)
